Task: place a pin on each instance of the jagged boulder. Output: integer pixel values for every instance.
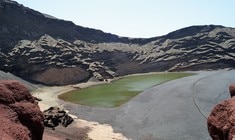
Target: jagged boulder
(55, 116)
(20, 116)
(221, 121)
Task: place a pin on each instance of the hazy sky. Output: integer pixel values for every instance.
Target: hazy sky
(138, 18)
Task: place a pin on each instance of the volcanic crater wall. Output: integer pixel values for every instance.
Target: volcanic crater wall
(52, 51)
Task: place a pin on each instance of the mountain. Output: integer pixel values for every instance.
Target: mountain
(44, 49)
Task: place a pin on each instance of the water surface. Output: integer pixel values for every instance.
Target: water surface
(118, 92)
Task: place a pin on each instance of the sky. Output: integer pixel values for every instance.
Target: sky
(138, 18)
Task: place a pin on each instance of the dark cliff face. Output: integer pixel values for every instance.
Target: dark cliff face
(26, 23)
(53, 51)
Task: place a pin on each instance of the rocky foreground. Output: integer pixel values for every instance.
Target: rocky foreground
(221, 122)
(57, 52)
(23, 118)
(20, 116)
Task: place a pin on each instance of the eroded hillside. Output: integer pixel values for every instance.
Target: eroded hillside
(57, 52)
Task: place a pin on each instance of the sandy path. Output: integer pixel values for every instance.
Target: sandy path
(97, 131)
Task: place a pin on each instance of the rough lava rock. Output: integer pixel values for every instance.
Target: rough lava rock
(20, 116)
(55, 116)
(221, 121)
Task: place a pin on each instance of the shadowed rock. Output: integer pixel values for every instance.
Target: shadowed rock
(55, 116)
(232, 89)
(20, 116)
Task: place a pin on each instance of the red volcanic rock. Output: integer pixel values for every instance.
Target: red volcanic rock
(232, 89)
(221, 121)
(20, 116)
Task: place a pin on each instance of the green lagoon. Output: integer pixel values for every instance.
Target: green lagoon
(119, 91)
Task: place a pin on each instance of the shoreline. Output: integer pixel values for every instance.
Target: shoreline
(54, 91)
(49, 96)
(97, 131)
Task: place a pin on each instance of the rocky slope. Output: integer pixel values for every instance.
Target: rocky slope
(20, 116)
(57, 52)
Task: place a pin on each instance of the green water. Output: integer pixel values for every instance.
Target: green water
(118, 92)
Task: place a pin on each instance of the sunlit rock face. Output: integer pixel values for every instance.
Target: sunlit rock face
(221, 121)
